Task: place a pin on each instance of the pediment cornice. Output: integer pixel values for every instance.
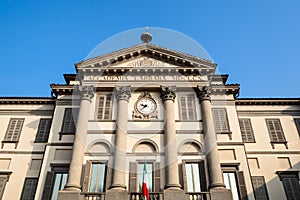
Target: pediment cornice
(157, 54)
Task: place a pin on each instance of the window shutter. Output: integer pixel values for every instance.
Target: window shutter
(14, 129)
(3, 181)
(291, 186)
(275, 130)
(242, 185)
(48, 186)
(157, 177)
(133, 177)
(184, 177)
(259, 186)
(108, 179)
(220, 120)
(104, 106)
(297, 122)
(70, 118)
(43, 130)
(87, 175)
(246, 130)
(29, 189)
(203, 183)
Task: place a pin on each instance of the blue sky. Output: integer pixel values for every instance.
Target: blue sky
(256, 42)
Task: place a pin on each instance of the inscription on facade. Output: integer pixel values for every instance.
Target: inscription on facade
(143, 78)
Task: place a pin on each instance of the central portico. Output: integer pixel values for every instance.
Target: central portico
(145, 104)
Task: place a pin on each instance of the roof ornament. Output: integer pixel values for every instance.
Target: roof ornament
(146, 37)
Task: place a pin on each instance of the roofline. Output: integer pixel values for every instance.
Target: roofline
(268, 101)
(27, 100)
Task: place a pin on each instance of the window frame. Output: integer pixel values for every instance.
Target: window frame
(256, 187)
(46, 131)
(51, 177)
(239, 178)
(297, 124)
(273, 140)
(187, 107)
(5, 178)
(73, 120)
(12, 140)
(32, 189)
(110, 115)
(246, 133)
(202, 174)
(285, 174)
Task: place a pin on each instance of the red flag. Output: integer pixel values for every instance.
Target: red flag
(145, 186)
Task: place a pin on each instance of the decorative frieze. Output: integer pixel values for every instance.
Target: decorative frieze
(123, 92)
(168, 93)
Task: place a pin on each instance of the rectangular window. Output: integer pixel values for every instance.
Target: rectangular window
(69, 120)
(246, 130)
(275, 130)
(260, 189)
(291, 185)
(14, 130)
(297, 123)
(104, 107)
(187, 107)
(29, 189)
(97, 180)
(220, 120)
(59, 183)
(55, 181)
(230, 182)
(149, 169)
(43, 130)
(3, 181)
(193, 177)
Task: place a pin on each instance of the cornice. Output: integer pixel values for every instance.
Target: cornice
(64, 89)
(27, 100)
(268, 101)
(150, 50)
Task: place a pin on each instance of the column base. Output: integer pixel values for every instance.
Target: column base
(117, 187)
(174, 194)
(172, 187)
(116, 194)
(217, 194)
(72, 187)
(217, 186)
(69, 195)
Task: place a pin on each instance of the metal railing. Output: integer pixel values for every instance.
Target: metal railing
(198, 195)
(138, 196)
(94, 196)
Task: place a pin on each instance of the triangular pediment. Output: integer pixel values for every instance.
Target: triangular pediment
(146, 56)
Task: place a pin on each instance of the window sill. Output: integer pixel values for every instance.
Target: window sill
(229, 133)
(281, 142)
(15, 142)
(65, 133)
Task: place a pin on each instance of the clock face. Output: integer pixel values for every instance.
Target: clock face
(146, 106)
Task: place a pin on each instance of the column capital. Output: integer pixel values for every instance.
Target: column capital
(204, 93)
(123, 92)
(168, 93)
(86, 92)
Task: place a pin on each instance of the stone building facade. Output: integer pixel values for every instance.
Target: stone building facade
(148, 106)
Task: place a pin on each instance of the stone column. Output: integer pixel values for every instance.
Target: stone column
(123, 93)
(73, 187)
(172, 180)
(210, 138)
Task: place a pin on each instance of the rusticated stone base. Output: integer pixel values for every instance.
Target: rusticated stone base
(69, 195)
(116, 194)
(174, 194)
(217, 194)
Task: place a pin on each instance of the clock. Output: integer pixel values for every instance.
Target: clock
(146, 106)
